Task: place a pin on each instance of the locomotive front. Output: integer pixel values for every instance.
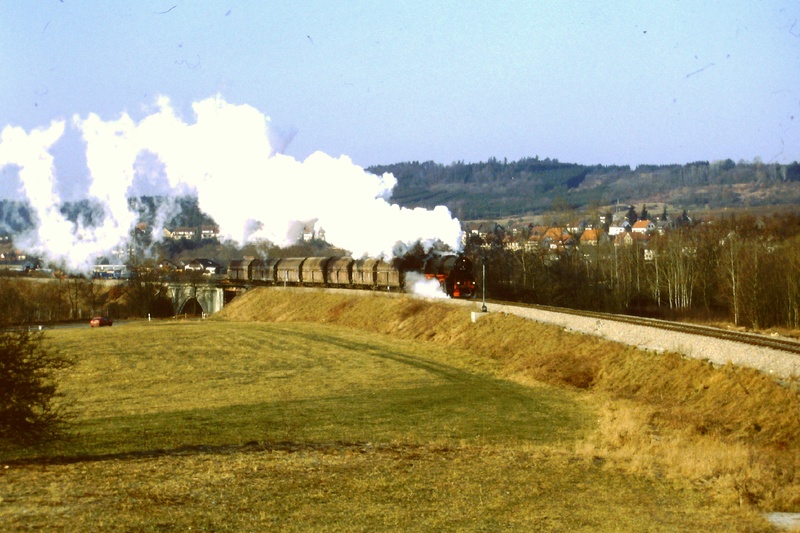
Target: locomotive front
(460, 282)
(455, 274)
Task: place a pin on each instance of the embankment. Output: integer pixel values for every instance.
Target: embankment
(733, 431)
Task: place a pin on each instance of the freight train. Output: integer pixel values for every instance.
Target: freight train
(454, 273)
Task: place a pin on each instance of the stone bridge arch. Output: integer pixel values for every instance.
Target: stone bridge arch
(191, 306)
(195, 298)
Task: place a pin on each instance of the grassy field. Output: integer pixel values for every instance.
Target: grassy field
(294, 412)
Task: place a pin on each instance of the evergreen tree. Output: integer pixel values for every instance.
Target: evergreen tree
(28, 388)
(632, 216)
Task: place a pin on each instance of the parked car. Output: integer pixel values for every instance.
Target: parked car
(100, 321)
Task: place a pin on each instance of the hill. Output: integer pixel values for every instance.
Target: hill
(659, 414)
(496, 190)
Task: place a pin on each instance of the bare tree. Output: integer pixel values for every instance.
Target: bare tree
(73, 290)
(677, 265)
(733, 274)
(90, 293)
(792, 283)
(13, 307)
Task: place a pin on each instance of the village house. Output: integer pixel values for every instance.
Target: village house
(543, 237)
(183, 232)
(643, 226)
(192, 233)
(169, 266)
(555, 239)
(209, 232)
(558, 238)
(663, 225)
(629, 238)
(14, 260)
(207, 267)
(512, 242)
(472, 229)
(535, 238)
(618, 228)
(576, 228)
(591, 237)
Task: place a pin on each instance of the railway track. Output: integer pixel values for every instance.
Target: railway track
(778, 357)
(754, 339)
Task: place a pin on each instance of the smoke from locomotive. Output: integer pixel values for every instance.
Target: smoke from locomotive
(228, 160)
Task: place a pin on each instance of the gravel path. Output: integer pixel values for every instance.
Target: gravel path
(770, 361)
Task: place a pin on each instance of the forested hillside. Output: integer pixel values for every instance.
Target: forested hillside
(499, 189)
(16, 217)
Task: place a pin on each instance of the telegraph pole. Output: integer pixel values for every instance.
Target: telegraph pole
(483, 288)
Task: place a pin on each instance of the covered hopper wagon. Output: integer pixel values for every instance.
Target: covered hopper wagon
(453, 272)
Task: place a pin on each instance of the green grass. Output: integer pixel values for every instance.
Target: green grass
(233, 426)
(296, 382)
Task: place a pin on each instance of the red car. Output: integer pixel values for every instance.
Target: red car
(100, 321)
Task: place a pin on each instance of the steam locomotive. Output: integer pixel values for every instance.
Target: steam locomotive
(454, 273)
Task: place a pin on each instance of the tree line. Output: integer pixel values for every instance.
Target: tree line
(741, 269)
(46, 300)
(496, 189)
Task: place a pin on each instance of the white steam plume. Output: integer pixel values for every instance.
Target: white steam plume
(422, 286)
(55, 236)
(226, 159)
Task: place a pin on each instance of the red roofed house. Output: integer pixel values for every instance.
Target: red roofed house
(643, 226)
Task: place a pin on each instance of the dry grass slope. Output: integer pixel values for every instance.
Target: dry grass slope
(732, 431)
(305, 411)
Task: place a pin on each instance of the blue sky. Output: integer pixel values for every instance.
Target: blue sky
(622, 82)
